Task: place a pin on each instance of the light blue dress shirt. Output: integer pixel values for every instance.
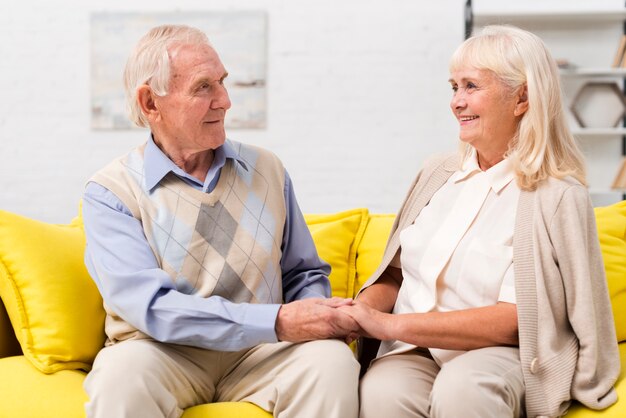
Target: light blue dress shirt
(123, 266)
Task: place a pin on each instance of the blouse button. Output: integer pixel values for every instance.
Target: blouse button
(534, 366)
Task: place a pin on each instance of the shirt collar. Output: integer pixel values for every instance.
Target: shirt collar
(498, 176)
(157, 165)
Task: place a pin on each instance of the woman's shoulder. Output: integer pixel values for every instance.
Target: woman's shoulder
(450, 161)
(554, 193)
(557, 187)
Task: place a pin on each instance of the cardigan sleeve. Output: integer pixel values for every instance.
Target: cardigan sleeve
(577, 252)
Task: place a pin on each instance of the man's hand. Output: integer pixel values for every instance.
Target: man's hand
(314, 319)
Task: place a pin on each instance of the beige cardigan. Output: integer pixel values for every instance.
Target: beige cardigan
(568, 346)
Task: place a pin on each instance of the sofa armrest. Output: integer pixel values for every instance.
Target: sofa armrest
(8, 343)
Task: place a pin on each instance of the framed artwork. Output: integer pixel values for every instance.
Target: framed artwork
(239, 37)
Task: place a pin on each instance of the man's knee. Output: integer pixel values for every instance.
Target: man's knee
(331, 361)
(121, 384)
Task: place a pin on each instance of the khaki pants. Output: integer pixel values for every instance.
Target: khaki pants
(481, 383)
(144, 378)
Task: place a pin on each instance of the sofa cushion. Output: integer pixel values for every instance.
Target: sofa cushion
(617, 410)
(26, 392)
(372, 246)
(9, 346)
(611, 222)
(54, 306)
(226, 410)
(336, 238)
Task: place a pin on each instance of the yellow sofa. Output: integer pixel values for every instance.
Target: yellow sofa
(51, 317)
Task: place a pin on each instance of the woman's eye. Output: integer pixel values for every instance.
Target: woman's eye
(470, 86)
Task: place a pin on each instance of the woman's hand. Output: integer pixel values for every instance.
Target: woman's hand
(465, 329)
(372, 323)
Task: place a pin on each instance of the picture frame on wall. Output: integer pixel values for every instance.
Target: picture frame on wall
(240, 38)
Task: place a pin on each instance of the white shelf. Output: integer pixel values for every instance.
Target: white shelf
(605, 197)
(596, 191)
(587, 34)
(593, 72)
(517, 16)
(583, 132)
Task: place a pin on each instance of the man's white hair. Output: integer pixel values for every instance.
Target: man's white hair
(149, 63)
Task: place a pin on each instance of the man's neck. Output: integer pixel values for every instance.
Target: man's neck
(194, 163)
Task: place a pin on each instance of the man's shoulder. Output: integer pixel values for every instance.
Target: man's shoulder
(132, 160)
(254, 155)
(125, 171)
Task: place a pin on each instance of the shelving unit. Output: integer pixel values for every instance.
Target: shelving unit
(586, 35)
(550, 16)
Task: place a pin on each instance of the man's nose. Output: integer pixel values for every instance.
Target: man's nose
(222, 99)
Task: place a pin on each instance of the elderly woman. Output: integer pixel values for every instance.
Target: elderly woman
(491, 299)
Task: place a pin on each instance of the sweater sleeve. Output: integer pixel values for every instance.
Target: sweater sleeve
(577, 252)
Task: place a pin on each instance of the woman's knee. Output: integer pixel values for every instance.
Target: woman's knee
(488, 383)
(396, 387)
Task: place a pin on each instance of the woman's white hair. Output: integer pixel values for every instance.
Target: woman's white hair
(543, 146)
(149, 63)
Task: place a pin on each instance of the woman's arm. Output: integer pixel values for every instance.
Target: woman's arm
(457, 330)
(382, 295)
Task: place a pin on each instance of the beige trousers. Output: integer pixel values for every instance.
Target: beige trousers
(481, 383)
(144, 378)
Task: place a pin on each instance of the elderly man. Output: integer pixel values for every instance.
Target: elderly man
(211, 282)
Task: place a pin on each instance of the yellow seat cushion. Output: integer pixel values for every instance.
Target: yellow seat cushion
(61, 395)
(372, 247)
(611, 223)
(617, 410)
(25, 392)
(54, 306)
(336, 237)
(226, 410)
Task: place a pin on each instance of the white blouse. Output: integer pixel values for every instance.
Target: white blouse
(458, 253)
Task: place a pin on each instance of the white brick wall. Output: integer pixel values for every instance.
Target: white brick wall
(357, 98)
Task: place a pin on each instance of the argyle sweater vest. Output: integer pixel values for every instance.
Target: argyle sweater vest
(225, 243)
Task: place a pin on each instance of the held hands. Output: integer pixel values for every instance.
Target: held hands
(313, 319)
(372, 323)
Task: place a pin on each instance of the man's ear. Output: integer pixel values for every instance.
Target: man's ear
(522, 101)
(146, 101)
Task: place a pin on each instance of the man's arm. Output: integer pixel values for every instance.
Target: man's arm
(304, 274)
(305, 317)
(122, 264)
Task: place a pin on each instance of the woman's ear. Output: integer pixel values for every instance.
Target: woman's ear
(522, 101)
(146, 101)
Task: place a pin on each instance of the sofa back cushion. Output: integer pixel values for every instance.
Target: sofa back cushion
(611, 222)
(337, 237)
(55, 308)
(370, 251)
(8, 343)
